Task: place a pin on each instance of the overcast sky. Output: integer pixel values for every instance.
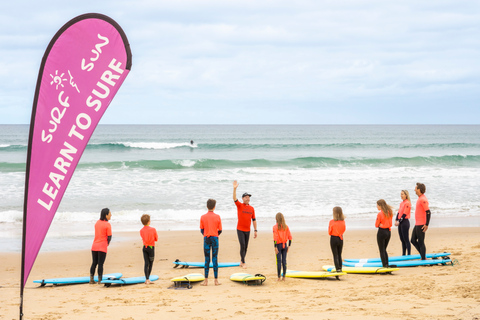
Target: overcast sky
(267, 62)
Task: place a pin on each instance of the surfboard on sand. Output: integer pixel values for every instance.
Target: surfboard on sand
(370, 270)
(185, 281)
(313, 274)
(192, 277)
(400, 264)
(248, 279)
(400, 258)
(184, 264)
(133, 280)
(76, 280)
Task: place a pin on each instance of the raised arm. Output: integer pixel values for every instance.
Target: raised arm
(235, 186)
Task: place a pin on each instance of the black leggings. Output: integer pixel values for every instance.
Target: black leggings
(243, 237)
(148, 257)
(98, 257)
(403, 232)
(383, 237)
(337, 246)
(418, 241)
(281, 259)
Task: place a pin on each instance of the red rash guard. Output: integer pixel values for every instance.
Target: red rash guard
(245, 214)
(337, 228)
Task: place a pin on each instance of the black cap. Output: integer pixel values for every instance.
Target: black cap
(246, 194)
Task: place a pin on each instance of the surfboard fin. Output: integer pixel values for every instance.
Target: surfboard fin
(176, 266)
(261, 275)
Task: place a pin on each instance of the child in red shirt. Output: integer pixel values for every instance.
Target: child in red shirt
(211, 228)
(336, 229)
(149, 236)
(281, 233)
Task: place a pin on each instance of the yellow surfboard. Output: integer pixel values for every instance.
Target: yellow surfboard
(192, 277)
(313, 274)
(361, 269)
(247, 278)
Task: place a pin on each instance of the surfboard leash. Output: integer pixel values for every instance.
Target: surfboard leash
(261, 280)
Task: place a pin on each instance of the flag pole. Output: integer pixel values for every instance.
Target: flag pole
(27, 178)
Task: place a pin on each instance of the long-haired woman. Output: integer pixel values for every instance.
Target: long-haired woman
(103, 235)
(403, 223)
(384, 225)
(281, 233)
(336, 229)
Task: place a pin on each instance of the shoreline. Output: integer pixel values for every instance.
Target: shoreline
(61, 237)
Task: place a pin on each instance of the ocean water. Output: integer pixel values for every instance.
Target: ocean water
(302, 171)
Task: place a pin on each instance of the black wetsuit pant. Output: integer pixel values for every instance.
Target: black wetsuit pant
(281, 259)
(337, 246)
(243, 237)
(383, 237)
(98, 258)
(418, 241)
(403, 232)
(148, 257)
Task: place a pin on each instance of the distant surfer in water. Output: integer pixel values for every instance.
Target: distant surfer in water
(211, 228)
(403, 223)
(246, 215)
(191, 142)
(422, 219)
(103, 235)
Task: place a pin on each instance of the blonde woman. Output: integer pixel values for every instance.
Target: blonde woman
(403, 223)
(336, 229)
(384, 225)
(281, 233)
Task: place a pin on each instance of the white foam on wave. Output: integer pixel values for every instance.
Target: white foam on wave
(157, 145)
(4, 145)
(185, 163)
(11, 216)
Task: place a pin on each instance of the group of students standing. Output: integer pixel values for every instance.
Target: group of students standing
(383, 222)
(211, 228)
(422, 220)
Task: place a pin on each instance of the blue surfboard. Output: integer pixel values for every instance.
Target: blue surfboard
(399, 264)
(399, 258)
(133, 280)
(77, 280)
(202, 264)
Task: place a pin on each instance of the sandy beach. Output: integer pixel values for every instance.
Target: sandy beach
(438, 292)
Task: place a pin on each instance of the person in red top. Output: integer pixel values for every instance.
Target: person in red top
(422, 219)
(149, 236)
(281, 233)
(384, 225)
(211, 228)
(246, 215)
(103, 235)
(336, 229)
(403, 223)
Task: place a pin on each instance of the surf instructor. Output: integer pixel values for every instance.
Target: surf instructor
(422, 219)
(246, 215)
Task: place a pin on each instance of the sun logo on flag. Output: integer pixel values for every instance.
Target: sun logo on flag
(57, 79)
